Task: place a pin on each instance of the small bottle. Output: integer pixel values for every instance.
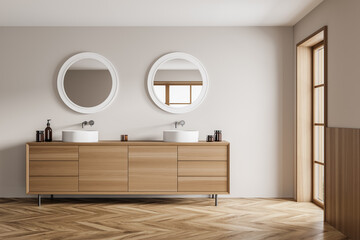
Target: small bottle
(210, 138)
(124, 138)
(39, 136)
(218, 136)
(48, 132)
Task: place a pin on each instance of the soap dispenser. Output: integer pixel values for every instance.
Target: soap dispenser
(48, 132)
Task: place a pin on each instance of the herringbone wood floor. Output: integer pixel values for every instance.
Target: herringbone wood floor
(162, 219)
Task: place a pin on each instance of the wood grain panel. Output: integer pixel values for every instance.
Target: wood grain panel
(53, 184)
(202, 153)
(53, 153)
(342, 187)
(202, 168)
(103, 168)
(152, 168)
(54, 168)
(201, 184)
(304, 124)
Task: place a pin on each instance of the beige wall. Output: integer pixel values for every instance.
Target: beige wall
(342, 18)
(251, 95)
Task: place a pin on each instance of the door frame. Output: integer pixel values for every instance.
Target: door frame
(304, 164)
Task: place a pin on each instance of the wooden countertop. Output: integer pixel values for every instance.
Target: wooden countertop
(132, 143)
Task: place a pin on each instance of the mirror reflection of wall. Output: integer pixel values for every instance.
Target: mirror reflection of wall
(87, 83)
(177, 83)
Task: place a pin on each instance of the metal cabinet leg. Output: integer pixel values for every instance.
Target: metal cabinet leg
(212, 195)
(39, 200)
(216, 200)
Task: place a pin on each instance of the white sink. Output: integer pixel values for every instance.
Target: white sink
(180, 136)
(80, 136)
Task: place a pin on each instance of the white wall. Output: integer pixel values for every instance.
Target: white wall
(251, 95)
(342, 18)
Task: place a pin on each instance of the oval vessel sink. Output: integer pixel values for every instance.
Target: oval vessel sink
(80, 136)
(180, 136)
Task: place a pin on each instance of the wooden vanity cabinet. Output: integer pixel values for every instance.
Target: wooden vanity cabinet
(127, 168)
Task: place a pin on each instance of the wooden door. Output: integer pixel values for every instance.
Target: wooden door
(152, 168)
(103, 168)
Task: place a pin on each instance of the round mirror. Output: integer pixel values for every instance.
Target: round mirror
(87, 82)
(178, 82)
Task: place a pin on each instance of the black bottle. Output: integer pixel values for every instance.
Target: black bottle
(48, 132)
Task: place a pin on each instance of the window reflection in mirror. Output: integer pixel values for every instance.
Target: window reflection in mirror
(87, 83)
(177, 83)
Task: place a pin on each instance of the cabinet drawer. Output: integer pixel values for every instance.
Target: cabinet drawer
(202, 168)
(202, 184)
(202, 153)
(54, 168)
(53, 153)
(53, 184)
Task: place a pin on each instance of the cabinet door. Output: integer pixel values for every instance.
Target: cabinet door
(152, 168)
(103, 168)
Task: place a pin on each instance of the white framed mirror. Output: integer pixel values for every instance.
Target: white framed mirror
(177, 82)
(88, 82)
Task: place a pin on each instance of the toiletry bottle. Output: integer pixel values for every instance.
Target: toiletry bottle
(48, 132)
(39, 136)
(210, 138)
(218, 136)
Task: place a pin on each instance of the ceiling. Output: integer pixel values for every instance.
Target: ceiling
(154, 12)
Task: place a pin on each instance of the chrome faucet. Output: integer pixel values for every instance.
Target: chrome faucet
(84, 123)
(182, 123)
